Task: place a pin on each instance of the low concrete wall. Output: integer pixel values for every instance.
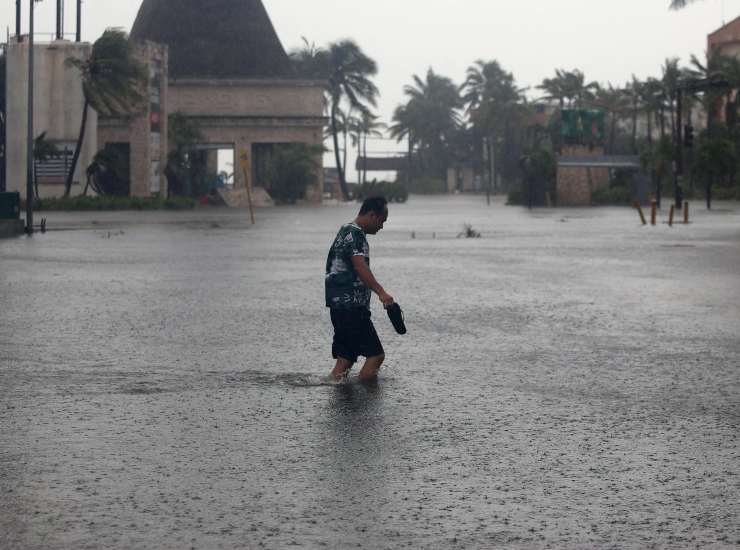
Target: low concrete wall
(11, 228)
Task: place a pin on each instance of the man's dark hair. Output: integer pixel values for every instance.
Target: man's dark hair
(374, 204)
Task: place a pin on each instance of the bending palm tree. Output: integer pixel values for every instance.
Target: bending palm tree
(349, 79)
(431, 116)
(570, 86)
(112, 84)
(492, 97)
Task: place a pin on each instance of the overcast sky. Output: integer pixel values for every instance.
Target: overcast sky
(607, 39)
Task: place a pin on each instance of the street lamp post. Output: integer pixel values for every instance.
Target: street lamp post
(29, 142)
(78, 37)
(678, 172)
(29, 145)
(60, 19)
(18, 19)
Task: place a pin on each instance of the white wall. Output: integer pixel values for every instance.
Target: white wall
(58, 104)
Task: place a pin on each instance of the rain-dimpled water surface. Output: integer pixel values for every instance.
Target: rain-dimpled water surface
(570, 380)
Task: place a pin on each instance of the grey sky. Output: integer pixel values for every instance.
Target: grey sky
(608, 39)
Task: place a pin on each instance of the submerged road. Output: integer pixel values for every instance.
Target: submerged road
(569, 380)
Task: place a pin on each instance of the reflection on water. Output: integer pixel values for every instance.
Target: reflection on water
(356, 452)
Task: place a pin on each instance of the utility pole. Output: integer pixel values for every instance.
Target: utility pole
(29, 145)
(678, 172)
(60, 19)
(409, 164)
(79, 21)
(489, 169)
(18, 20)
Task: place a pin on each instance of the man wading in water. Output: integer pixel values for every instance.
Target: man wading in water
(348, 285)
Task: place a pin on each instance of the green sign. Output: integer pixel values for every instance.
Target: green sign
(583, 126)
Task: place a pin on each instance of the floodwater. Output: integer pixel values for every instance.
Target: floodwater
(569, 380)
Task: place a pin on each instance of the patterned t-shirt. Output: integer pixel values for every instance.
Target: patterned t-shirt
(344, 289)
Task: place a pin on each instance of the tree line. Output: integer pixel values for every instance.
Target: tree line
(503, 130)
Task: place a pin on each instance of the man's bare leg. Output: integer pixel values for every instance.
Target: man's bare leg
(371, 368)
(341, 369)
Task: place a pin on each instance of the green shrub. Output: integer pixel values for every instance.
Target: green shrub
(615, 195)
(515, 196)
(292, 168)
(726, 193)
(104, 202)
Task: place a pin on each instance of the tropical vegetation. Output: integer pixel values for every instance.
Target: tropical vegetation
(112, 84)
(510, 137)
(292, 169)
(348, 73)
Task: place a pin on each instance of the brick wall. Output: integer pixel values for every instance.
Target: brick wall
(575, 186)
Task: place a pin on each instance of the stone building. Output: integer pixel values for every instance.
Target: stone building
(726, 39)
(142, 137)
(222, 66)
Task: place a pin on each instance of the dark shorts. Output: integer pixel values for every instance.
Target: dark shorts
(354, 334)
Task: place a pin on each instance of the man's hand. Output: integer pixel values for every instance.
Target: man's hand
(367, 277)
(386, 299)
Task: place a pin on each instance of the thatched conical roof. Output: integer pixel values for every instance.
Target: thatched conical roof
(217, 39)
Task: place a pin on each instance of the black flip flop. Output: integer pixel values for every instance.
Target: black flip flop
(395, 314)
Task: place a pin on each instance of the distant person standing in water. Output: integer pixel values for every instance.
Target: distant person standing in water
(348, 285)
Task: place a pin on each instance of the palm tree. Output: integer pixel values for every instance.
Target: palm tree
(578, 90)
(43, 150)
(405, 119)
(493, 98)
(310, 61)
(349, 72)
(714, 68)
(348, 125)
(431, 116)
(112, 84)
(635, 91)
(570, 87)
(671, 78)
(571, 91)
(616, 103)
(554, 89)
(368, 127)
(652, 101)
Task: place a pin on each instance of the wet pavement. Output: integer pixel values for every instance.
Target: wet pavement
(569, 380)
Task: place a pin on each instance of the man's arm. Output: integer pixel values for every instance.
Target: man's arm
(367, 277)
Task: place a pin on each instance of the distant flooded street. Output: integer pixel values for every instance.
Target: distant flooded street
(569, 380)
